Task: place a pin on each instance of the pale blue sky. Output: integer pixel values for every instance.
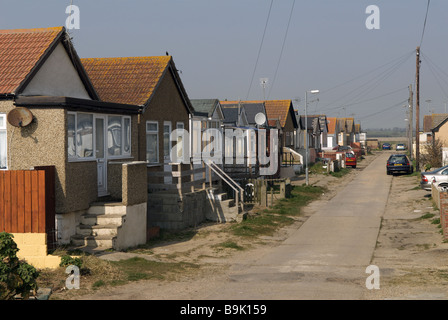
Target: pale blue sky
(215, 43)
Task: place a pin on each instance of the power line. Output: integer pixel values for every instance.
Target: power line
(283, 45)
(384, 110)
(259, 50)
(378, 79)
(408, 54)
(424, 24)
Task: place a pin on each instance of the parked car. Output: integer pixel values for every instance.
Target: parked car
(350, 159)
(442, 185)
(343, 148)
(400, 146)
(435, 176)
(386, 146)
(399, 163)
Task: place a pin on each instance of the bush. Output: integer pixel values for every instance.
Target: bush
(16, 277)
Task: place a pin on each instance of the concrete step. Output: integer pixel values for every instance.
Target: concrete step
(97, 230)
(107, 208)
(221, 196)
(93, 241)
(228, 203)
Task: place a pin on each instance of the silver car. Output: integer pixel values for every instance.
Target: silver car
(436, 176)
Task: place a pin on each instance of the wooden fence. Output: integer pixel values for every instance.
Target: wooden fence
(27, 202)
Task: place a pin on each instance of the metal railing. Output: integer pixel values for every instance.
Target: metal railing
(230, 182)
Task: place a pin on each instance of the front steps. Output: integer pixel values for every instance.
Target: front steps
(99, 226)
(223, 209)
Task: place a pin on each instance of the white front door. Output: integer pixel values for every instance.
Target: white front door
(100, 149)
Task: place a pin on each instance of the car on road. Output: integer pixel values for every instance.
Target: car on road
(400, 147)
(386, 146)
(350, 159)
(436, 176)
(343, 148)
(399, 163)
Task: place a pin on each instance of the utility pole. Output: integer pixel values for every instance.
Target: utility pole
(417, 111)
(411, 107)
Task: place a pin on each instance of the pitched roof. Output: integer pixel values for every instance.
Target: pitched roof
(21, 50)
(204, 106)
(275, 110)
(231, 115)
(132, 80)
(432, 121)
(251, 108)
(331, 122)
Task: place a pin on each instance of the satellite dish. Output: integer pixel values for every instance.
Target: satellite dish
(260, 118)
(20, 117)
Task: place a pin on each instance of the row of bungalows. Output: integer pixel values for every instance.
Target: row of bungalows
(104, 128)
(129, 151)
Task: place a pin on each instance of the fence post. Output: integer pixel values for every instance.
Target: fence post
(263, 194)
(192, 176)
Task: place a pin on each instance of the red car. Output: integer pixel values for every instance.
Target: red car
(350, 159)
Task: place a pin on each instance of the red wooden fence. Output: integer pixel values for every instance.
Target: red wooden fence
(27, 201)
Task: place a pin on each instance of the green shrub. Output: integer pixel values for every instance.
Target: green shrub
(68, 260)
(16, 277)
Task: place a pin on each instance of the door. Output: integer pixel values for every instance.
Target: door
(100, 145)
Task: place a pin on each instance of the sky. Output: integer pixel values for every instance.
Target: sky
(223, 48)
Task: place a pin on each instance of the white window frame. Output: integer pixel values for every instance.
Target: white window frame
(123, 155)
(76, 158)
(156, 132)
(167, 157)
(3, 128)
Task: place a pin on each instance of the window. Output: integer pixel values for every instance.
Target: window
(3, 149)
(152, 142)
(84, 135)
(166, 140)
(126, 135)
(81, 141)
(114, 136)
(179, 126)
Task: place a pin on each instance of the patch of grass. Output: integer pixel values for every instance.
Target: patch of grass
(435, 221)
(141, 269)
(427, 216)
(317, 168)
(278, 216)
(230, 245)
(98, 284)
(340, 173)
(261, 224)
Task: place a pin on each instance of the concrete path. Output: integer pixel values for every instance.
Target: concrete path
(326, 258)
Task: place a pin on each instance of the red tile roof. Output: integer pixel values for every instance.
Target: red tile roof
(130, 80)
(331, 122)
(20, 52)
